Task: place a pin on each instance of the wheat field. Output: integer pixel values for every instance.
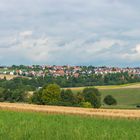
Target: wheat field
(120, 113)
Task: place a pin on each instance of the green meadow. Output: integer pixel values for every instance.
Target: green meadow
(127, 96)
(37, 126)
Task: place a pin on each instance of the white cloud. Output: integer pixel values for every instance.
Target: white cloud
(103, 44)
(132, 33)
(134, 55)
(69, 31)
(25, 34)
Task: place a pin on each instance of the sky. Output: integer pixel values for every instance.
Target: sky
(70, 32)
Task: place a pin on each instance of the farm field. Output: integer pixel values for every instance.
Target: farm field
(38, 126)
(10, 77)
(127, 96)
(124, 86)
(108, 113)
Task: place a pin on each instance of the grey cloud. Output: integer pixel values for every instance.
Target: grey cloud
(72, 28)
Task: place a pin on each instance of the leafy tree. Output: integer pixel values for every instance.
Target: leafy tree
(51, 94)
(19, 95)
(79, 98)
(37, 97)
(67, 96)
(110, 100)
(1, 94)
(7, 95)
(93, 96)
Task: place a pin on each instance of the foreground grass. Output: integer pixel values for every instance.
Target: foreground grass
(36, 126)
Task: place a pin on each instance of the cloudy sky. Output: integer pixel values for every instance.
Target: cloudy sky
(74, 32)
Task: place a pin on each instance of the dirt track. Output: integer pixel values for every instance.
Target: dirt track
(71, 110)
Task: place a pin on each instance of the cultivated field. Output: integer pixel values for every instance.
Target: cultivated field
(125, 86)
(8, 77)
(134, 114)
(38, 126)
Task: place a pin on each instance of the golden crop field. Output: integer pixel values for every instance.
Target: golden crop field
(8, 77)
(71, 110)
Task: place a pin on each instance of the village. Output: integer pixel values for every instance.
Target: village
(56, 71)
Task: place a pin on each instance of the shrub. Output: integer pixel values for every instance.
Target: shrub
(86, 104)
(110, 100)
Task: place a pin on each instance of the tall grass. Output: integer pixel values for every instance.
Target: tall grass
(36, 126)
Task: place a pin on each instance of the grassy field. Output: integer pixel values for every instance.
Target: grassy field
(37, 126)
(127, 96)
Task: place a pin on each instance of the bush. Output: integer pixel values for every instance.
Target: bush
(86, 105)
(110, 100)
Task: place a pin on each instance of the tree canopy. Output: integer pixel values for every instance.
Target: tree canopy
(51, 94)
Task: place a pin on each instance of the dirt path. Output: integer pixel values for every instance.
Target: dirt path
(71, 110)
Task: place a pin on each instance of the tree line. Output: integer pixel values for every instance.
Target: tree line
(63, 81)
(53, 95)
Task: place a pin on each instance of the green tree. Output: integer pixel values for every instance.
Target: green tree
(1, 94)
(110, 100)
(67, 95)
(51, 94)
(7, 95)
(79, 98)
(37, 97)
(19, 95)
(93, 96)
